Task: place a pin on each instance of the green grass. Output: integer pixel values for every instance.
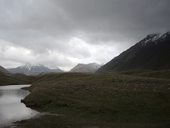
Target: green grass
(99, 100)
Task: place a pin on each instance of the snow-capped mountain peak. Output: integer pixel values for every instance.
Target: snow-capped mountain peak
(153, 38)
(151, 53)
(29, 66)
(33, 69)
(166, 35)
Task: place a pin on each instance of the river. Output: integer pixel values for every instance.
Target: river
(11, 108)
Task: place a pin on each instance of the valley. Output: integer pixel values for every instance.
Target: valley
(130, 91)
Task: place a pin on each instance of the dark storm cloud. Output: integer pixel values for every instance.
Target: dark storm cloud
(120, 17)
(66, 32)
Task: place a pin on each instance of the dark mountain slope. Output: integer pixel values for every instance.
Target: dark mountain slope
(3, 70)
(151, 53)
(9, 79)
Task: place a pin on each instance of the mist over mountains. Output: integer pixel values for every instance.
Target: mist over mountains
(86, 68)
(29, 69)
(151, 53)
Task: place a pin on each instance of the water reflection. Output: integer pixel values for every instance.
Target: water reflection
(11, 108)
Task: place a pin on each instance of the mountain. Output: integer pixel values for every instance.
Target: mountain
(151, 53)
(29, 69)
(3, 70)
(6, 78)
(87, 68)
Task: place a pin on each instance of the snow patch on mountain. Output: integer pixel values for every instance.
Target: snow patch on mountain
(153, 38)
(33, 69)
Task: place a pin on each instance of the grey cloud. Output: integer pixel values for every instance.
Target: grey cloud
(46, 27)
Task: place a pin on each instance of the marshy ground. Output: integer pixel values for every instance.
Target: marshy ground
(100, 101)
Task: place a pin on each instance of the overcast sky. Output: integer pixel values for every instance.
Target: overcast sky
(62, 33)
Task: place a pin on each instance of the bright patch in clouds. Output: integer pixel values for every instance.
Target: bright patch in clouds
(79, 51)
(86, 52)
(15, 54)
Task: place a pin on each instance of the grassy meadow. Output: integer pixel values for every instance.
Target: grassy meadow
(112, 100)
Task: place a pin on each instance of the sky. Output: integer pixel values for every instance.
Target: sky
(63, 33)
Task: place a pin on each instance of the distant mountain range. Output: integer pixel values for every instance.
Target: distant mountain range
(86, 68)
(29, 69)
(151, 53)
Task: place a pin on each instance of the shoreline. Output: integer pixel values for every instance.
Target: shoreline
(19, 110)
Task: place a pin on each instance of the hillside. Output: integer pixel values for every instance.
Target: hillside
(3, 70)
(5, 77)
(151, 53)
(11, 79)
(14, 79)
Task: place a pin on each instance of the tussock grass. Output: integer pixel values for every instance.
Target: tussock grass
(100, 100)
(164, 74)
